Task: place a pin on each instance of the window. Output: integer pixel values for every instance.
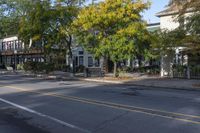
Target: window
(90, 62)
(81, 61)
(20, 44)
(12, 45)
(3, 46)
(9, 45)
(80, 52)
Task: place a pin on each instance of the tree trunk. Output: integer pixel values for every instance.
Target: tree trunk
(115, 69)
(105, 64)
(69, 43)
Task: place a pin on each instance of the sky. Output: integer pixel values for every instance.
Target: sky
(157, 6)
(149, 15)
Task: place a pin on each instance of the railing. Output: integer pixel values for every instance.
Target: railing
(187, 73)
(22, 51)
(195, 73)
(177, 73)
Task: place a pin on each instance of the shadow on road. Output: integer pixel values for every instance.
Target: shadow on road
(11, 122)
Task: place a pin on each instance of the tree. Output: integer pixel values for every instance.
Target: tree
(190, 23)
(113, 29)
(50, 23)
(165, 41)
(10, 13)
(36, 22)
(185, 5)
(46, 22)
(65, 12)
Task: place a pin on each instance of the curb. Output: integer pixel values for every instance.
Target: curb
(50, 77)
(110, 82)
(132, 84)
(103, 81)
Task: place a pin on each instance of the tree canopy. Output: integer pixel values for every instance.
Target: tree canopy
(10, 14)
(44, 23)
(185, 5)
(186, 35)
(190, 22)
(113, 28)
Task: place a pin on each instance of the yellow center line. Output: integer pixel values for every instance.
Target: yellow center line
(115, 105)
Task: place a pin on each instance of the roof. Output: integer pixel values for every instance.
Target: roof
(169, 10)
(172, 9)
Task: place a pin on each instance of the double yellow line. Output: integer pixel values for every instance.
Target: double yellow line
(153, 112)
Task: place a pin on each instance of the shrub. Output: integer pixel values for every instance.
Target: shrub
(126, 69)
(20, 66)
(2, 66)
(28, 66)
(66, 68)
(155, 69)
(121, 73)
(80, 69)
(37, 67)
(179, 68)
(48, 67)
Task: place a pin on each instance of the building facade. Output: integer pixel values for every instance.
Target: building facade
(81, 58)
(168, 21)
(13, 52)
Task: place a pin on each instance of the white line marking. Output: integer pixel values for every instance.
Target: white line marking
(45, 116)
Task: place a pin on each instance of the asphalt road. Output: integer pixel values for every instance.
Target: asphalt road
(30, 105)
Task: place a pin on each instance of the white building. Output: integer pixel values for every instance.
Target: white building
(82, 58)
(168, 21)
(13, 52)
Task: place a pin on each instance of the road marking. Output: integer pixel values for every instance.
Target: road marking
(147, 111)
(45, 116)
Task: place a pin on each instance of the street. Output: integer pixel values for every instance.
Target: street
(50, 106)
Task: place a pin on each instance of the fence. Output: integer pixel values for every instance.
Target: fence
(94, 72)
(184, 72)
(195, 73)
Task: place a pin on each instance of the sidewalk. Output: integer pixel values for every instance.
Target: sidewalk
(182, 84)
(144, 81)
